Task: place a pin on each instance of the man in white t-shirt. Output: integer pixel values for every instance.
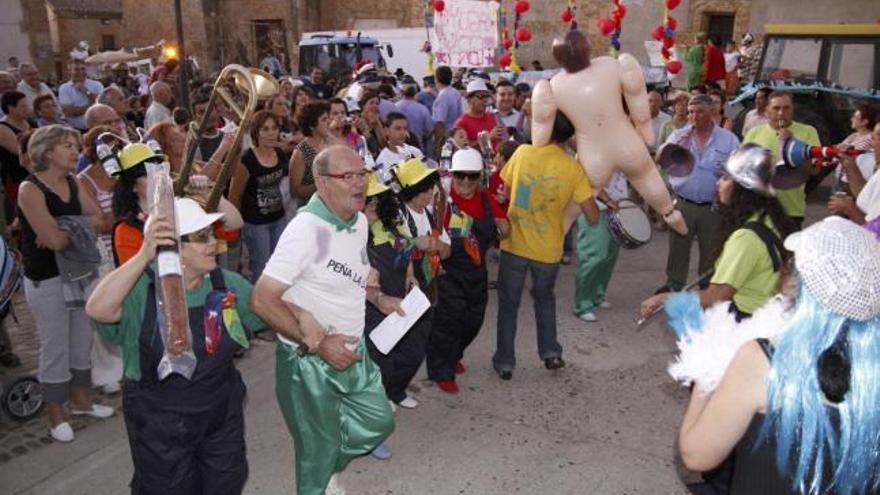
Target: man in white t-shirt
(78, 94)
(313, 293)
(396, 150)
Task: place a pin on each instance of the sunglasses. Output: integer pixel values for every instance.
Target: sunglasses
(471, 176)
(204, 236)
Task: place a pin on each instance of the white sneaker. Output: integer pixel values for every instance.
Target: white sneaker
(334, 487)
(408, 403)
(588, 316)
(111, 388)
(606, 305)
(97, 411)
(62, 433)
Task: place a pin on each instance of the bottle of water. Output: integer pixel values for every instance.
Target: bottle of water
(108, 159)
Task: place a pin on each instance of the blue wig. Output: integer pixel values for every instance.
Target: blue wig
(810, 443)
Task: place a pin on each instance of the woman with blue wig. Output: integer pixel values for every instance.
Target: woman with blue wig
(798, 406)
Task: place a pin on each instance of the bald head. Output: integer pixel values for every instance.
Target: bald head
(334, 154)
(100, 114)
(161, 92)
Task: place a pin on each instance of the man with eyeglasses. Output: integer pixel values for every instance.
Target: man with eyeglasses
(78, 94)
(477, 119)
(101, 115)
(313, 292)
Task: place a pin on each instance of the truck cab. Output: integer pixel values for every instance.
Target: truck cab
(829, 68)
(337, 55)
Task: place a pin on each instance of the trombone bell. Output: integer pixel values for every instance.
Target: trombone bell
(266, 85)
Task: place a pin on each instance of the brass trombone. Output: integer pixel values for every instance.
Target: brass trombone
(257, 85)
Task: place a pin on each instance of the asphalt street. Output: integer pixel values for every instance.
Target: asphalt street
(605, 424)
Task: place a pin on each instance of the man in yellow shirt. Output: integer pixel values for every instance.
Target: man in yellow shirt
(780, 111)
(542, 181)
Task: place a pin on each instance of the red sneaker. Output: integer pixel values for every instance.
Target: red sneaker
(448, 386)
(459, 368)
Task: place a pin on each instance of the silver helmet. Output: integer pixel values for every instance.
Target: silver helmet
(751, 166)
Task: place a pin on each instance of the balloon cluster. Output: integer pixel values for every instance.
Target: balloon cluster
(612, 26)
(521, 34)
(569, 15)
(665, 33)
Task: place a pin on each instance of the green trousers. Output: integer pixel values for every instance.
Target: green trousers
(333, 416)
(597, 254)
(703, 223)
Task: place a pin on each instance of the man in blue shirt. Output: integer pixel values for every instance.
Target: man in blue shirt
(447, 107)
(421, 127)
(710, 146)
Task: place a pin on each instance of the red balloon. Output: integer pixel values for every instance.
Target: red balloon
(668, 42)
(658, 33)
(674, 66)
(567, 15)
(505, 60)
(665, 52)
(523, 35)
(671, 4)
(522, 6)
(507, 43)
(622, 10)
(439, 5)
(606, 26)
(671, 23)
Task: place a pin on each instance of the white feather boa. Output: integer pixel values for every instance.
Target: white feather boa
(706, 352)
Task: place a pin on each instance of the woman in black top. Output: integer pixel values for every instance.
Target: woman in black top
(313, 120)
(255, 190)
(15, 107)
(800, 407)
(65, 331)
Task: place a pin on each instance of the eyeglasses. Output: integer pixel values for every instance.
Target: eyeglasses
(204, 236)
(350, 177)
(471, 176)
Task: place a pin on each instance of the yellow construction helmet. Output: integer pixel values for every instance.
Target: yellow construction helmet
(374, 186)
(133, 154)
(411, 172)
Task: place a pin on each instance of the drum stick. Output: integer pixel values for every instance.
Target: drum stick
(708, 273)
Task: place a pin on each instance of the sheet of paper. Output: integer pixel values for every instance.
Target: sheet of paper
(394, 327)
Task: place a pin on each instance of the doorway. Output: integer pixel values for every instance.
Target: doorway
(719, 26)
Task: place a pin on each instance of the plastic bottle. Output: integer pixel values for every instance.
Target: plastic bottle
(108, 159)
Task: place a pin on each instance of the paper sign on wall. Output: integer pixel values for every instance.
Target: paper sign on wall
(465, 34)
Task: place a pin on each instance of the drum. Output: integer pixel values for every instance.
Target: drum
(629, 226)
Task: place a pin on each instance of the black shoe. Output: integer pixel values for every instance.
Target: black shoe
(662, 290)
(554, 363)
(505, 374)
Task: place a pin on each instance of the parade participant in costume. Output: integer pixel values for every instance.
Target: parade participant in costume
(780, 112)
(312, 293)
(592, 93)
(753, 225)
(391, 277)
(186, 435)
(48, 197)
(597, 252)
(791, 393)
(542, 180)
(130, 201)
(474, 221)
(432, 244)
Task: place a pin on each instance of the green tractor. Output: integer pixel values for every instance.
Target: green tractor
(829, 69)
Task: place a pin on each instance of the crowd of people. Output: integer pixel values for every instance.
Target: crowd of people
(344, 198)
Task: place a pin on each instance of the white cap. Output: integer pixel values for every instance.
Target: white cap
(839, 262)
(475, 85)
(467, 160)
(366, 68)
(191, 217)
